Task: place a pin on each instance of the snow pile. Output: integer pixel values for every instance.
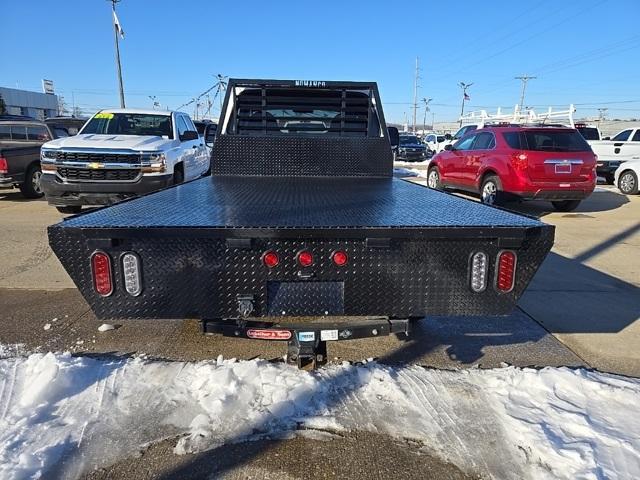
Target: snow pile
(61, 416)
(409, 172)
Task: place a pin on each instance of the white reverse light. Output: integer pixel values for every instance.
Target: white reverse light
(132, 274)
(479, 272)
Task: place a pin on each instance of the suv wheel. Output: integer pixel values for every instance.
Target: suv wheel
(69, 209)
(433, 178)
(491, 191)
(31, 186)
(566, 205)
(628, 183)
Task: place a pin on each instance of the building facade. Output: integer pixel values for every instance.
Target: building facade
(33, 104)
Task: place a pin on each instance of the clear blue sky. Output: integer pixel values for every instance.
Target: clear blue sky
(582, 51)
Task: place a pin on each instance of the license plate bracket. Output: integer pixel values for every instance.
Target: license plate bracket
(563, 168)
(305, 298)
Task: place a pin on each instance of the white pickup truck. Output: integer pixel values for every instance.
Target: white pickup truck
(612, 152)
(120, 153)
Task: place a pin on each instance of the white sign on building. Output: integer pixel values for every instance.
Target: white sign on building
(47, 86)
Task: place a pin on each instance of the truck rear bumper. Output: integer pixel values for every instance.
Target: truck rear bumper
(61, 193)
(7, 182)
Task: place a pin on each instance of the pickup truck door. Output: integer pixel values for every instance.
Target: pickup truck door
(201, 155)
(188, 148)
(624, 146)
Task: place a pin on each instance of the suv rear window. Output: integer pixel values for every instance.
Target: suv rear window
(547, 140)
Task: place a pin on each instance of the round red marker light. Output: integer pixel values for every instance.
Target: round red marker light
(340, 258)
(305, 259)
(270, 259)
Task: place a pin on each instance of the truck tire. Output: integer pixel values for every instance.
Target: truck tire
(491, 192)
(433, 178)
(69, 209)
(628, 182)
(566, 205)
(30, 188)
(178, 174)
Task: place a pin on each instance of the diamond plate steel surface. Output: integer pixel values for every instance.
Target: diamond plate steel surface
(300, 156)
(314, 203)
(200, 277)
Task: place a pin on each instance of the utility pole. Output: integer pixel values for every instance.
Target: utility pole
(415, 93)
(602, 114)
(524, 79)
(117, 30)
(465, 97)
(426, 109)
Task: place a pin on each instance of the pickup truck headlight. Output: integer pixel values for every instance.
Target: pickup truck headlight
(153, 162)
(48, 154)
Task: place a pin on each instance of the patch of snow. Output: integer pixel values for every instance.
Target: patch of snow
(105, 327)
(501, 423)
(47, 326)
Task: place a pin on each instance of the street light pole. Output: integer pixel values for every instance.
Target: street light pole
(464, 87)
(117, 30)
(426, 109)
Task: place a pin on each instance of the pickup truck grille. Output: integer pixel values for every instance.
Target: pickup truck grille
(98, 157)
(80, 174)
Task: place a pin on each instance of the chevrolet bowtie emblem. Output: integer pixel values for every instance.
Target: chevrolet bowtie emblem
(96, 165)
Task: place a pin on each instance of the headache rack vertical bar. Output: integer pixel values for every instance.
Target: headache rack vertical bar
(343, 108)
(263, 116)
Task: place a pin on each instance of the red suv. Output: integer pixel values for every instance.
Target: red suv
(526, 162)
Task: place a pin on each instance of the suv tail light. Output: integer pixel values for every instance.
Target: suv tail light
(506, 271)
(4, 167)
(101, 272)
(520, 161)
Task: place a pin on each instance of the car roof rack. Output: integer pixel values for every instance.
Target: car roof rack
(528, 117)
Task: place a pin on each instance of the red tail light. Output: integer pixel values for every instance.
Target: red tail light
(270, 259)
(505, 277)
(340, 258)
(4, 168)
(520, 161)
(101, 270)
(305, 259)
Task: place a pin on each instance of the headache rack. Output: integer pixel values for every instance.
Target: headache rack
(302, 128)
(528, 117)
(281, 108)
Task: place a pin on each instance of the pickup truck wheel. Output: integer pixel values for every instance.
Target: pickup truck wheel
(628, 183)
(70, 209)
(31, 186)
(566, 205)
(178, 176)
(491, 191)
(433, 178)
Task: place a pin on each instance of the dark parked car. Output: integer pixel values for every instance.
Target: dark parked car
(72, 125)
(20, 141)
(411, 149)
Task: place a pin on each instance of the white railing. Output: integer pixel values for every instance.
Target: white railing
(482, 118)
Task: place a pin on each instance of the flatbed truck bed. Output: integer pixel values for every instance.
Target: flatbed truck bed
(353, 243)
